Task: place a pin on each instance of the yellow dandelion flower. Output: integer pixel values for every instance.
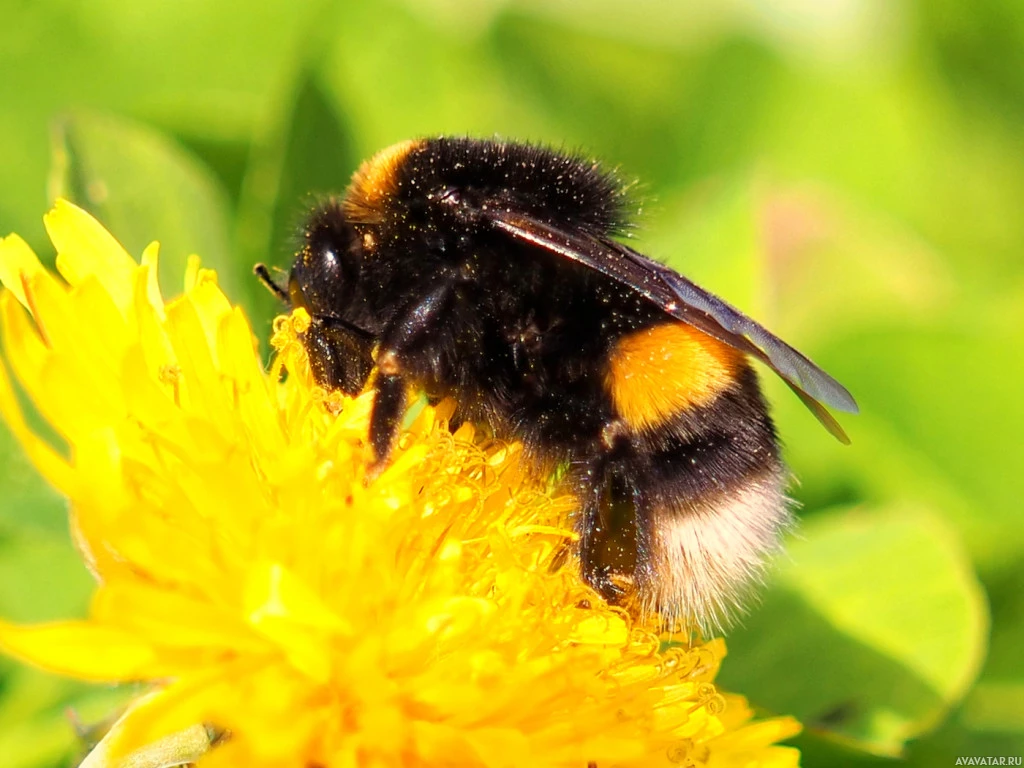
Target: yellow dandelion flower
(251, 571)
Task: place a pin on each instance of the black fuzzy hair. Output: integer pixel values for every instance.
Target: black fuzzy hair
(549, 185)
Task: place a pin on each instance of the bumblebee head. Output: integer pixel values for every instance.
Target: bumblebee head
(324, 281)
(326, 269)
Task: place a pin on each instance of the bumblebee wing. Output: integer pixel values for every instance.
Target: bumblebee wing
(733, 325)
(688, 302)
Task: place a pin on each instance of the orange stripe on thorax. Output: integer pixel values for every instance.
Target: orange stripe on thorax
(656, 373)
(374, 182)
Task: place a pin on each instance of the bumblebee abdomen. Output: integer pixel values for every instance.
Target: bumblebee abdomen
(656, 373)
(704, 554)
(704, 466)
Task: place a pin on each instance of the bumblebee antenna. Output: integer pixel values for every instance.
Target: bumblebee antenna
(261, 271)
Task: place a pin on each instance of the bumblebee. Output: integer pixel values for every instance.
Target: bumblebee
(490, 272)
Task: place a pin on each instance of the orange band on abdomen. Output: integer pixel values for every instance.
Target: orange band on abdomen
(655, 374)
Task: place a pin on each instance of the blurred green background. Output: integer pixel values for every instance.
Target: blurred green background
(850, 172)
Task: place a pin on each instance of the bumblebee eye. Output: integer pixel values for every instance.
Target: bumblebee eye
(326, 270)
(318, 280)
(326, 263)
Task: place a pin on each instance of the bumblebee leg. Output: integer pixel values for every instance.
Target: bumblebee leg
(404, 336)
(386, 419)
(608, 531)
(593, 569)
(401, 348)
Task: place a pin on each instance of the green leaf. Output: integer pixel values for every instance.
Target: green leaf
(872, 632)
(941, 420)
(990, 721)
(143, 186)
